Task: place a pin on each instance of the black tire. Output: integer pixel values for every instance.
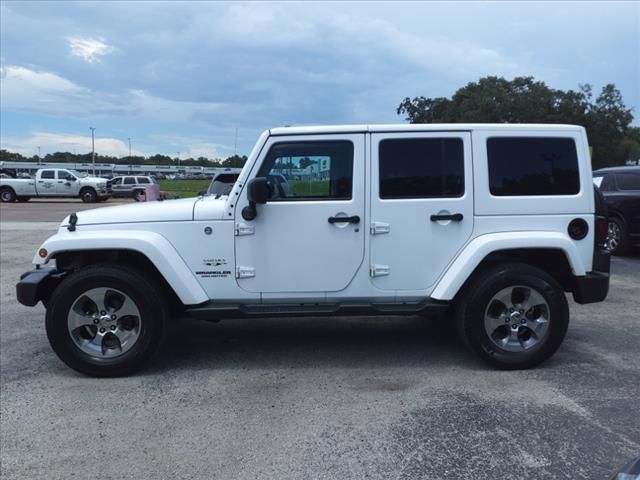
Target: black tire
(23, 199)
(148, 298)
(138, 194)
(88, 195)
(7, 195)
(623, 243)
(474, 302)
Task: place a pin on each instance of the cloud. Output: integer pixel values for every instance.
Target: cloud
(60, 142)
(89, 49)
(25, 89)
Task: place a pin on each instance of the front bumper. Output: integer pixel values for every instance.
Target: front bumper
(36, 285)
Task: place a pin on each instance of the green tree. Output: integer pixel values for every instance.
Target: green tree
(525, 100)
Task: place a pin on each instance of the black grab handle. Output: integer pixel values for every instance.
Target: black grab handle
(456, 217)
(354, 219)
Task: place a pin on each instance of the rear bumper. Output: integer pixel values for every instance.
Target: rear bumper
(36, 285)
(594, 286)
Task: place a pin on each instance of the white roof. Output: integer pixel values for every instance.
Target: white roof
(418, 127)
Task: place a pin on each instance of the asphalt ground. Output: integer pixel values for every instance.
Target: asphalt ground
(320, 398)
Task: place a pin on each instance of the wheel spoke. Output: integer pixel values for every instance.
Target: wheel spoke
(127, 308)
(532, 299)
(505, 297)
(76, 320)
(492, 323)
(97, 296)
(97, 343)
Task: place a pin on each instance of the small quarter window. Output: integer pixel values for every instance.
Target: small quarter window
(532, 166)
(421, 168)
(628, 181)
(309, 170)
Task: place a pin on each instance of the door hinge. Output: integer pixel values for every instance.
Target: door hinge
(378, 228)
(377, 270)
(245, 272)
(243, 229)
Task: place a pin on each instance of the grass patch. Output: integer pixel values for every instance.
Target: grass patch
(311, 189)
(184, 188)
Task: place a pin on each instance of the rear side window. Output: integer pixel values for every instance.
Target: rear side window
(607, 183)
(628, 181)
(532, 166)
(48, 174)
(129, 181)
(421, 168)
(143, 180)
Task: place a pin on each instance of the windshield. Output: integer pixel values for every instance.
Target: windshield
(77, 173)
(220, 188)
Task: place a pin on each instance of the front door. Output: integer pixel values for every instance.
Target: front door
(66, 184)
(421, 206)
(309, 237)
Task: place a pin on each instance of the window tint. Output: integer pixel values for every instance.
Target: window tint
(532, 166)
(116, 181)
(143, 180)
(310, 170)
(48, 174)
(421, 168)
(129, 180)
(628, 181)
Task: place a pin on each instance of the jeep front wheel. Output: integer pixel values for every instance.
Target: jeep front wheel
(105, 321)
(514, 316)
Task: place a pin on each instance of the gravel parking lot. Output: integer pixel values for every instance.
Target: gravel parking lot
(320, 398)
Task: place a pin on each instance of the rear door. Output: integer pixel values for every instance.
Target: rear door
(46, 183)
(421, 206)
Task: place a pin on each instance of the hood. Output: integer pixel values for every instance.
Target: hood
(92, 180)
(156, 211)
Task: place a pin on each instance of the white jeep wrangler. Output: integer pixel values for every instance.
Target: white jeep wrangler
(496, 221)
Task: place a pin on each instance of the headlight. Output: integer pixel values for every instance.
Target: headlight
(102, 185)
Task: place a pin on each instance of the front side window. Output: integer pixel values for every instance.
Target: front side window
(532, 166)
(628, 181)
(421, 168)
(48, 174)
(116, 181)
(309, 170)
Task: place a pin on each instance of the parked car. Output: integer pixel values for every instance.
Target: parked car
(57, 183)
(131, 186)
(492, 222)
(621, 189)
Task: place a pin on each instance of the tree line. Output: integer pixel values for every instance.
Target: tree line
(235, 161)
(493, 99)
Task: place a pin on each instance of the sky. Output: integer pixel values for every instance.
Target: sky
(204, 79)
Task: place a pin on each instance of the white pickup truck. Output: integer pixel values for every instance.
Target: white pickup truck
(488, 225)
(55, 182)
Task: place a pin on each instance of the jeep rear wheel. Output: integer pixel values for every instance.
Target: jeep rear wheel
(105, 321)
(7, 195)
(513, 316)
(89, 195)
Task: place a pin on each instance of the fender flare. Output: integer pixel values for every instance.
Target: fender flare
(477, 249)
(150, 244)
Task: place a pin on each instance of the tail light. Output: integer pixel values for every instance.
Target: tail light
(601, 231)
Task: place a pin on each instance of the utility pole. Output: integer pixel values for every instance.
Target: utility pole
(38, 155)
(129, 149)
(235, 144)
(93, 150)
(178, 156)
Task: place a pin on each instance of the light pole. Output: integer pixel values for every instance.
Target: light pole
(129, 138)
(178, 161)
(93, 150)
(38, 155)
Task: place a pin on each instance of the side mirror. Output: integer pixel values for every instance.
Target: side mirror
(258, 191)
